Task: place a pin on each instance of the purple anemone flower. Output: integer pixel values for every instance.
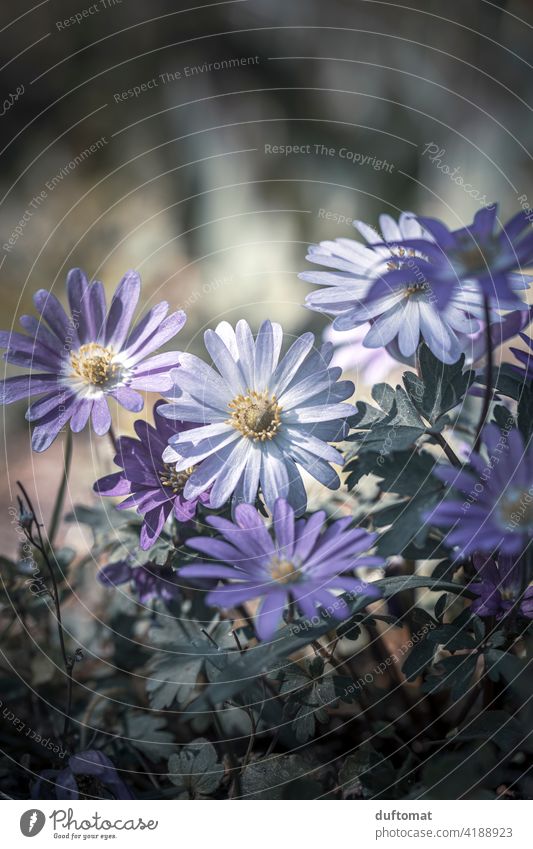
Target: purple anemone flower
(477, 254)
(89, 775)
(150, 582)
(154, 488)
(499, 587)
(260, 416)
(495, 512)
(301, 561)
(405, 310)
(78, 362)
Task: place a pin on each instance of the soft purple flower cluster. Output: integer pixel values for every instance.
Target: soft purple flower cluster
(242, 430)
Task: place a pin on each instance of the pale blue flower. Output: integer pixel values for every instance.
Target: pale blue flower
(261, 416)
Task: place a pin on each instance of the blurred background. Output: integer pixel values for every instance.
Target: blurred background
(207, 146)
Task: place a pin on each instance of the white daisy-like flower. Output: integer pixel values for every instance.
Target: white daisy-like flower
(409, 311)
(261, 416)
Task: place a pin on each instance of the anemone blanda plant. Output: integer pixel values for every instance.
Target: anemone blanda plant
(485, 253)
(406, 310)
(78, 362)
(302, 561)
(495, 511)
(260, 416)
(154, 488)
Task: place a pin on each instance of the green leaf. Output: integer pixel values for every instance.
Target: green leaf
(195, 770)
(407, 524)
(508, 381)
(402, 472)
(309, 692)
(174, 670)
(366, 773)
(148, 734)
(275, 777)
(241, 670)
(420, 656)
(452, 673)
(440, 388)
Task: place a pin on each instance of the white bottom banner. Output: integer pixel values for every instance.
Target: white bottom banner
(380, 824)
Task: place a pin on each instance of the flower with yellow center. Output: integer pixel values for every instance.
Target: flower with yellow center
(175, 480)
(261, 416)
(257, 415)
(86, 360)
(94, 364)
(283, 571)
(386, 286)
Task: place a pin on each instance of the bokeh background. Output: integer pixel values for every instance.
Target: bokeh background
(144, 136)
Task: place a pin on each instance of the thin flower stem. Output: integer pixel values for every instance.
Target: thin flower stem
(68, 662)
(60, 498)
(446, 447)
(489, 377)
(112, 439)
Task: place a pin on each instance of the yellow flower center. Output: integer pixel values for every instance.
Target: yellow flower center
(256, 415)
(283, 571)
(173, 479)
(416, 289)
(94, 363)
(392, 264)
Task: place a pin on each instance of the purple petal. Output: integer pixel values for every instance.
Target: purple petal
(48, 428)
(166, 330)
(153, 524)
(115, 573)
(79, 302)
(14, 388)
(122, 309)
(128, 398)
(115, 484)
(270, 614)
(283, 523)
(101, 416)
(54, 314)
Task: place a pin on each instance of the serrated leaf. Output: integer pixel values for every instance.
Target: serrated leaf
(440, 387)
(195, 769)
(273, 777)
(148, 734)
(174, 672)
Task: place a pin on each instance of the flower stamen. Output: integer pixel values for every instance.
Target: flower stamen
(94, 364)
(169, 477)
(283, 571)
(257, 415)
